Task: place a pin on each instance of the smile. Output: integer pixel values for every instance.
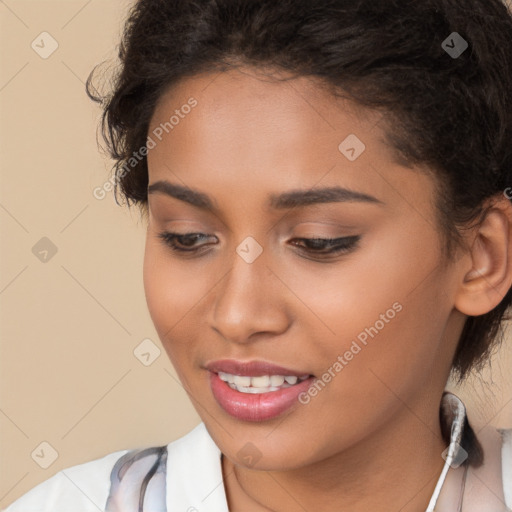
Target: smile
(251, 403)
(261, 383)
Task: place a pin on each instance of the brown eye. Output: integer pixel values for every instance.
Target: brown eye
(182, 242)
(329, 246)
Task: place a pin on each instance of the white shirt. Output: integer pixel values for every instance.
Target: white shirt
(186, 476)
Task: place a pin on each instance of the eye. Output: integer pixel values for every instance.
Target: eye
(186, 243)
(182, 242)
(329, 246)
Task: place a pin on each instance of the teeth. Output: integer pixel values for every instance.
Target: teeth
(242, 381)
(243, 389)
(277, 380)
(261, 383)
(226, 377)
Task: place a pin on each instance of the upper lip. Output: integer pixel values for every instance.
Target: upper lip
(251, 368)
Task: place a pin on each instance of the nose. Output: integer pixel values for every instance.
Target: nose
(249, 301)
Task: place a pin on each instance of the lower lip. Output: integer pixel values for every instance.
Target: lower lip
(256, 407)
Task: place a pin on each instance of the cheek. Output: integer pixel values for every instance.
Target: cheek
(154, 285)
(382, 310)
(174, 297)
(170, 286)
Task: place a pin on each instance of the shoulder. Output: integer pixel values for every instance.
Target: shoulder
(81, 488)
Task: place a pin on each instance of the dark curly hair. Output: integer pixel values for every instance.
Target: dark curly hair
(452, 113)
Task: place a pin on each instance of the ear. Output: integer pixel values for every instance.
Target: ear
(489, 277)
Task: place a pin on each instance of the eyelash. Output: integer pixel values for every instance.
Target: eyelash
(340, 245)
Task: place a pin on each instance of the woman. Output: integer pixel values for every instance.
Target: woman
(329, 236)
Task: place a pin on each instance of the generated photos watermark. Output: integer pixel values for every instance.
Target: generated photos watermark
(355, 348)
(137, 156)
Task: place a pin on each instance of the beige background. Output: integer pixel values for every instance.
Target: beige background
(69, 326)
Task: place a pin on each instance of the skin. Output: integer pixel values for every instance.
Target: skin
(376, 423)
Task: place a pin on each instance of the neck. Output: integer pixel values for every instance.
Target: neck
(396, 468)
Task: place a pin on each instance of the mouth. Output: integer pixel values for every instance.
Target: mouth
(261, 383)
(256, 390)
(253, 368)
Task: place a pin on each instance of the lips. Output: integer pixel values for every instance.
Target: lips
(255, 407)
(252, 368)
(260, 407)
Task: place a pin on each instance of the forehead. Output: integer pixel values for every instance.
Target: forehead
(247, 127)
(252, 103)
(277, 88)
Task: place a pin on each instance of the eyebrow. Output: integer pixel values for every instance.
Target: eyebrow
(291, 199)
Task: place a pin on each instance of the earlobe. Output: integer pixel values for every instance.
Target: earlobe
(490, 277)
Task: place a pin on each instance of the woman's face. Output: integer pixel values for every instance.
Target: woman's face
(373, 323)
